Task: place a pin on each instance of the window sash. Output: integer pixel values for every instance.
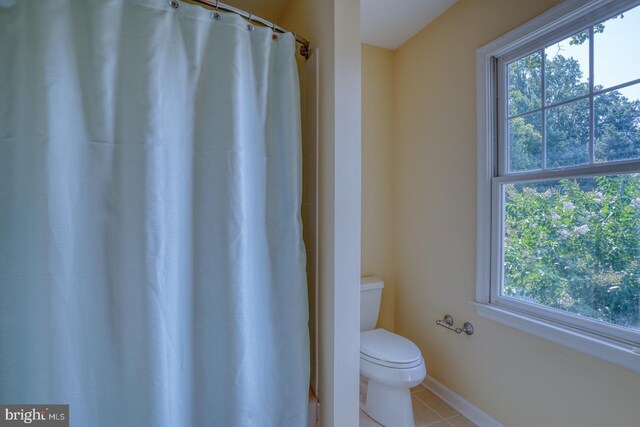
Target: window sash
(609, 331)
(584, 23)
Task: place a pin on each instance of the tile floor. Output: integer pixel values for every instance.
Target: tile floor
(428, 410)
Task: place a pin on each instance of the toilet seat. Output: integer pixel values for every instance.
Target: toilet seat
(392, 365)
(387, 349)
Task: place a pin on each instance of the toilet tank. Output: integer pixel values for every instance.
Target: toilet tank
(370, 295)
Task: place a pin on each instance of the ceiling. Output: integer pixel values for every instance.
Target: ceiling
(389, 24)
(384, 23)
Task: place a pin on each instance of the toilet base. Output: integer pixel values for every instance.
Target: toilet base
(390, 406)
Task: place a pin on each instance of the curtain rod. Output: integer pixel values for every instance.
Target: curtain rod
(217, 5)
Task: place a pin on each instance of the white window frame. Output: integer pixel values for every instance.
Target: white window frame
(616, 345)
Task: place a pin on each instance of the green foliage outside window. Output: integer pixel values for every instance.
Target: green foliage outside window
(572, 244)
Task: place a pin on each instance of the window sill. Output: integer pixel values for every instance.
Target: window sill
(573, 338)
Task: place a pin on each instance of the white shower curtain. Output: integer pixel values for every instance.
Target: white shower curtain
(151, 258)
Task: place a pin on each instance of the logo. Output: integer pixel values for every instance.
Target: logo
(36, 415)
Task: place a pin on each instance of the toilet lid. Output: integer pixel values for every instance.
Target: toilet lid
(386, 346)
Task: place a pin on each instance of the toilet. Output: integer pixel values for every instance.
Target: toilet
(389, 363)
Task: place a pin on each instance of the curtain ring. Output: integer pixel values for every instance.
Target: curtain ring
(273, 27)
(250, 26)
(216, 15)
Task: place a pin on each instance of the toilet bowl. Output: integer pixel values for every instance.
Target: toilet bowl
(391, 363)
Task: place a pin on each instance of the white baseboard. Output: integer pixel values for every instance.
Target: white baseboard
(460, 404)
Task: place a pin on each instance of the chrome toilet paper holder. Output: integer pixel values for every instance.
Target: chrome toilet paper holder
(447, 322)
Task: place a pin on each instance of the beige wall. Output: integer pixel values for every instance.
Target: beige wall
(517, 378)
(378, 175)
(333, 28)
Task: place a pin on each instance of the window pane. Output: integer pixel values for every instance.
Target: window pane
(617, 124)
(525, 143)
(574, 245)
(525, 85)
(567, 128)
(567, 68)
(616, 53)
